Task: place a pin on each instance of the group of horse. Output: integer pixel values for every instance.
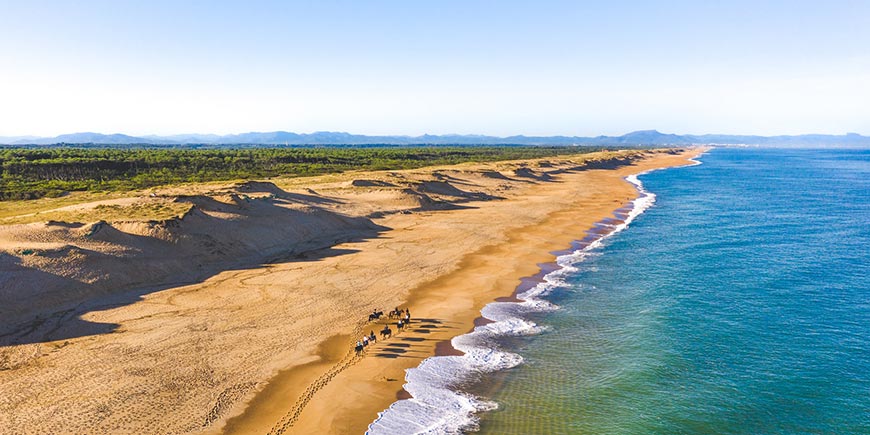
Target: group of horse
(404, 317)
(361, 344)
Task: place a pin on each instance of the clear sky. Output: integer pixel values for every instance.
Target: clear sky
(414, 67)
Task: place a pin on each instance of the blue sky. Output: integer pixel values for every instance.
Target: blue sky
(414, 67)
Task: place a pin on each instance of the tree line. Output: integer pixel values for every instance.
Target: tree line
(30, 173)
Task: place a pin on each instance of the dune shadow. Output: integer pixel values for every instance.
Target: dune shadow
(54, 310)
(526, 172)
(611, 163)
(444, 188)
(499, 176)
(266, 187)
(41, 326)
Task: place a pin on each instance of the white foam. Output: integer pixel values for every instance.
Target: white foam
(436, 407)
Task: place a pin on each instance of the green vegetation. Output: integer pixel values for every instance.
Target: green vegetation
(30, 173)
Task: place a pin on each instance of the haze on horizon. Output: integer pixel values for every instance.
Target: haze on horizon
(409, 68)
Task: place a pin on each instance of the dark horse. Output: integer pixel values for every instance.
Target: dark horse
(395, 313)
(375, 315)
(400, 325)
(386, 332)
(358, 348)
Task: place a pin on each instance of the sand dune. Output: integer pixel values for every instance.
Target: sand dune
(54, 266)
(174, 325)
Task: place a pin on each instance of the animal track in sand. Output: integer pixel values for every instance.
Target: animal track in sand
(225, 400)
(348, 360)
(290, 418)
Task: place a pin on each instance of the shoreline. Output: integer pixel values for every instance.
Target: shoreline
(266, 346)
(505, 314)
(353, 398)
(596, 232)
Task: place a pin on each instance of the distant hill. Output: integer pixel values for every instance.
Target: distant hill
(643, 137)
(14, 139)
(83, 138)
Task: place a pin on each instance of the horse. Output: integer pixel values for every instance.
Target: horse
(358, 348)
(400, 326)
(396, 314)
(386, 332)
(372, 337)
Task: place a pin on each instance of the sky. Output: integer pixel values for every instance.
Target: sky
(413, 67)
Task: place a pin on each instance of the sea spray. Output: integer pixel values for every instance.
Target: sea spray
(437, 405)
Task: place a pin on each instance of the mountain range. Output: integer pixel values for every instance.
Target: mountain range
(643, 137)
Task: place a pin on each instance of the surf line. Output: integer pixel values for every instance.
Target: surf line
(434, 402)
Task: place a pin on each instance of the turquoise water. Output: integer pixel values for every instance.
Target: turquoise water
(739, 303)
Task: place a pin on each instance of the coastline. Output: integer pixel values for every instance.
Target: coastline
(439, 403)
(240, 349)
(353, 398)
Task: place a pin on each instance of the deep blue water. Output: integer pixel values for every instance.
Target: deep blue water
(739, 303)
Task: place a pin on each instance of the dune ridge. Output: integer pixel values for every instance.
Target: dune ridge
(66, 263)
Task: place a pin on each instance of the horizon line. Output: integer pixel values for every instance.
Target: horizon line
(656, 131)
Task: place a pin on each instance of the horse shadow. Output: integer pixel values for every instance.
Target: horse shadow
(411, 346)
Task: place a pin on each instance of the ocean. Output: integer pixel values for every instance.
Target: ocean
(732, 297)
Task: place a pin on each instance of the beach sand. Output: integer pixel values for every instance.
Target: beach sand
(227, 332)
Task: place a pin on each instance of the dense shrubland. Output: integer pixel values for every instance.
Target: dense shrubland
(30, 173)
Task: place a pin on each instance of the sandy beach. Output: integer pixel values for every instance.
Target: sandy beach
(236, 312)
